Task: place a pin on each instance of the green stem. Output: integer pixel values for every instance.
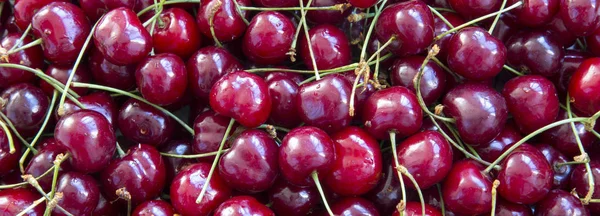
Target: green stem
(24, 47)
(569, 163)
(211, 23)
(120, 150)
(305, 27)
(439, 15)
(21, 39)
(151, 7)
(417, 85)
(39, 133)
(363, 52)
(11, 143)
(238, 10)
(442, 205)
(195, 155)
(404, 171)
(491, 30)
(345, 68)
(512, 70)
(16, 133)
(31, 207)
(50, 80)
(588, 168)
(315, 178)
(337, 7)
(397, 165)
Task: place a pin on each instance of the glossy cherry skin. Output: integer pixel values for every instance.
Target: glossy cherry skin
(563, 35)
(179, 35)
(141, 172)
(475, 54)
(43, 160)
(466, 189)
(387, 194)
(581, 17)
(243, 205)
(357, 165)
(284, 108)
(579, 181)
(80, 194)
(154, 207)
(143, 123)
(187, 185)
(330, 46)
(561, 173)
(100, 102)
(111, 75)
(534, 13)
(412, 24)
(414, 208)
(31, 57)
(427, 156)
(571, 62)
(89, 137)
(433, 82)
(562, 138)
(506, 208)
(15, 200)
(560, 202)
(8, 161)
(96, 8)
(209, 129)
(479, 110)
(593, 42)
(172, 164)
(354, 206)
(268, 38)
(288, 199)
(584, 82)
(276, 3)
(250, 165)
(325, 103)
(440, 27)
(162, 79)
(121, 38)
(492, 150)
(535, 51)
(242, 96)
(394, 109)
(227, 23)
(206, 66)
(532, 100)
(305, 150)
(25, 105)
(473, 9)
(62, 73)
(24, 10)
(333, 17)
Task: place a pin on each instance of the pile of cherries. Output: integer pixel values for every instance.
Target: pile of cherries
(299, 107)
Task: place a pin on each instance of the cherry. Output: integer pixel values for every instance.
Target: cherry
(250, 165)
(394, 109)
(62, 73)
(209, 129)
(173, 164)
(363, 4)
(145, 124)
(387, 193)
(563, 139)
(25, 105)
(8, 161)
(89, 138)
(24, 10)
(206, 66)
(354, 206)
(187, 185)
(535, 51)
(276, 3)
(560, 31)
(288, 199)
(554, 157)
(43, 161)
(357, 165)
(534, 13)
(440, 27)
(410, 22)
(466, 189)
(242, 205)
(14, 201)
(105, 207)
(593, 42)
(492, 150)
(242, 96)
(295, 77)
(581, 17)
(96, 8)
(162, 79)
(559, 202)
(504, 207)
(433, 82)
(305, 150)
(584, 82)
(414, 208)
(427, 156)
(332, 17)
(325, 103)
(80, 194)
(227, 23)
(473, 9)
(154, 207)
(179, 34)
(284, 108)
(268, 38)
(111, 75)
(100, 102)
(31, 57)
(579, 182)
(479, 110)
(475, 54)
(361, 94)
(330, 47)
(571, 62)
(121, 38)
(505, 28)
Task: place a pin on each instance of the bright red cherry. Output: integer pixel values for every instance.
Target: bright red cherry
(206, 66)
(154, 207)
(288, 199)
(162, 79)
(284, 107)
(268, 38)
(179, 34)
(560, 202)
(325, 103)
(14, 201)
(143, 123)
(581, 17)
(109, 74)
(415, 208)
(427, 156)
(584, 82)
(209, 129)
(411, 23)
(441, 27)
(467, 190)
(80, 194)
(31, 57)
(62, 73)
(100, 102)
(354, 206)
(433, 82)
(535, 51)
(43, 160)
(475, 54)
(394, 109)
(473, 9)
(226, 21)
(24, 10)
(25, 105)
(243, 205)
(534, 13)
(330, 47)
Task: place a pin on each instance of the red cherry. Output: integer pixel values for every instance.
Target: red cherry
(100, 102)
(563, 139)
(284, 107)
(173, 164)
(268, 38)
(433, 82)
(330, 47)
(410, 22)
(473, 9)
(80, 194)
(179, 34)
(96, 8)
(288, 199)
(14, 201)
(354, 206)
(25, 106)
(427, 156)
(162, 79)
(441, 27)
(62, 73)
(475, 54)
(534, 13)
(559, 202)
(209, 129)
(492, 150)
(394, 109)
(467, 190)
(333, 17)
(105, 207)
(414, 208)
(227, 23)
(276, 3)
(581, 17)
(242, 205)
(206, 66)
(143, 123)
(504, 207)
(579, 182)
(554, 157)
(325, 103)
(24, 10)
(584, 82)
(43, 160)
(153, 207)
(9, 161)
(535, 51)
(560, 31)
(31, 57)
(111, 75)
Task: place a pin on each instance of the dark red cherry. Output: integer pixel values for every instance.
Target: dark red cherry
(162, 79)
(63, 28)
(354, 206)
(427, 156)
(410, 22)
(584, 82)
(363, 4)
(505, 28)
(89, 138)
(227, 23)
(532, 101)
(25, 105)
(250, 165)
(506, 208)
(362, 93)
(121, 38)
(492, 150)
(415, 208)
(43, 160)
(526, 176)
(333, 17)
(330, 47)
(105, 207)
(206, 66)
(62, 73)
(9, 161)
(24, 10)
(143, 123)
(14, 201)
(268, 38)
(141, 172)
(475, 54)
(276, 3)
(100, 102)
(479, 110)
(242, 96)
(179, 34)
(295, 77)
(534, 13)
(173, 164)
(581, 17)
(560, 31)
(305, 150)
(288, 199)
(563, 139)
(554, 157)
(109, 74)
(571, 62)
(473, 9)
(579, 182)
(467, 190)
(154, 207)
(243, 205)
(560, 202)
(80, 194)
(96, 8)
(433, 82)
(440, 27)
(325, 103)
(31, 57)
(394, 109)
(284, 108)
(593, 42)
(357, 165)
(387, 194)
(209, 129)
(187, 185)
(535, 51)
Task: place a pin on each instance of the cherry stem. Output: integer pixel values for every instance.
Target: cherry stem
(32, 206)
(381, 48)
(267, 126)
(344, 68)
(158, 8)
(376, 73)
(323, 72)
(50, 80)
(442, 205)
(238, 10)
(491, 30)
(444, 9)
(315, 177)
(405, 172)
(57, 161)
(151, 7)
(495, 185)
(588, 168)
(21, 39)
(39, 133)
(119, 91)
(122, 193)
(397, 165)
(353, 93)
(593, 200)
(337, 7)
(446, 68)
(2, 187)
(120, 150)
(459, 141)
(512, 70)
(53, 203)
(558, 165)
(363, 52)
(15, 132)
(305, 27)
(477, 20)
(595, 133)
(194, 155)
(11, 143)
(35, 184)
(292, 50)
(439, 15)
(581, 44)
(215, 161)
(211, 23)
(417, 84)
(24, 47)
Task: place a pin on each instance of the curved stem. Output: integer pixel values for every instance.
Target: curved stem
(50, 80)
(120, 150)
(310, 49)
(11, 143)
(337, 7)
(211, 23)
(363, 52)
(238, 10)
(151, 7)
(446, 68)
(512, 70)
(588, 168)
(439, 15)
(495, 185)
(26, 46)
(315, 178)
(16, 133)
(195, 155)
(442, 205)
(21, 39)
(39, 133)
(405, 172)
(397, 165)
(417, 84)
(345, 68)
(491, 30)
